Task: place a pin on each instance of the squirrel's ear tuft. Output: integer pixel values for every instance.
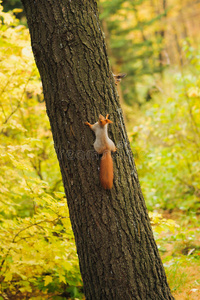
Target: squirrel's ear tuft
(101, 117)
(108, 121)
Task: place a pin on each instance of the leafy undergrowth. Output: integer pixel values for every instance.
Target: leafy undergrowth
(179, 245)
(180, 254)
(187, 277)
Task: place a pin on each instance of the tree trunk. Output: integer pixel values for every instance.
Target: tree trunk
(117, 252)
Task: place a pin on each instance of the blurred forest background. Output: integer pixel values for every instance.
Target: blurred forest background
(157, 43)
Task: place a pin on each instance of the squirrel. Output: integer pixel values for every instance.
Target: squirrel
(119, 77)
(104, 145)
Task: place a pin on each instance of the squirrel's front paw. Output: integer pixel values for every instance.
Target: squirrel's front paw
(88, 124)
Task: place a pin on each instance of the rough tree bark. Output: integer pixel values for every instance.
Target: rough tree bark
(117, 252)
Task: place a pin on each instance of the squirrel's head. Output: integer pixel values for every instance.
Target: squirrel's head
(103, 121)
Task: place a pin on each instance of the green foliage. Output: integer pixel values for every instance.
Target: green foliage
(38, 254)
(11, 4)
(165, 142)
(135, 43)
(168, 141)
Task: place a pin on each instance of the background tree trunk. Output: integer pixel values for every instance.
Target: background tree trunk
(117, 252)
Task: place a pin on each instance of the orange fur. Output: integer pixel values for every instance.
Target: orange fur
(103, 121)
(106, 170)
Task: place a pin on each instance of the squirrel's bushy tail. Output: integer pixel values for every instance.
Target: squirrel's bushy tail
(106, 170)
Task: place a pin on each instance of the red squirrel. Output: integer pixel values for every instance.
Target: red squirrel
(104, 145)
(119, 77)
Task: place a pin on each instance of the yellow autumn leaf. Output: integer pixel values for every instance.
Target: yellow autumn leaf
(7, 18)
(62, 278)
(47, 279)
(8, 276)
(26, 289)
(17, 10)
